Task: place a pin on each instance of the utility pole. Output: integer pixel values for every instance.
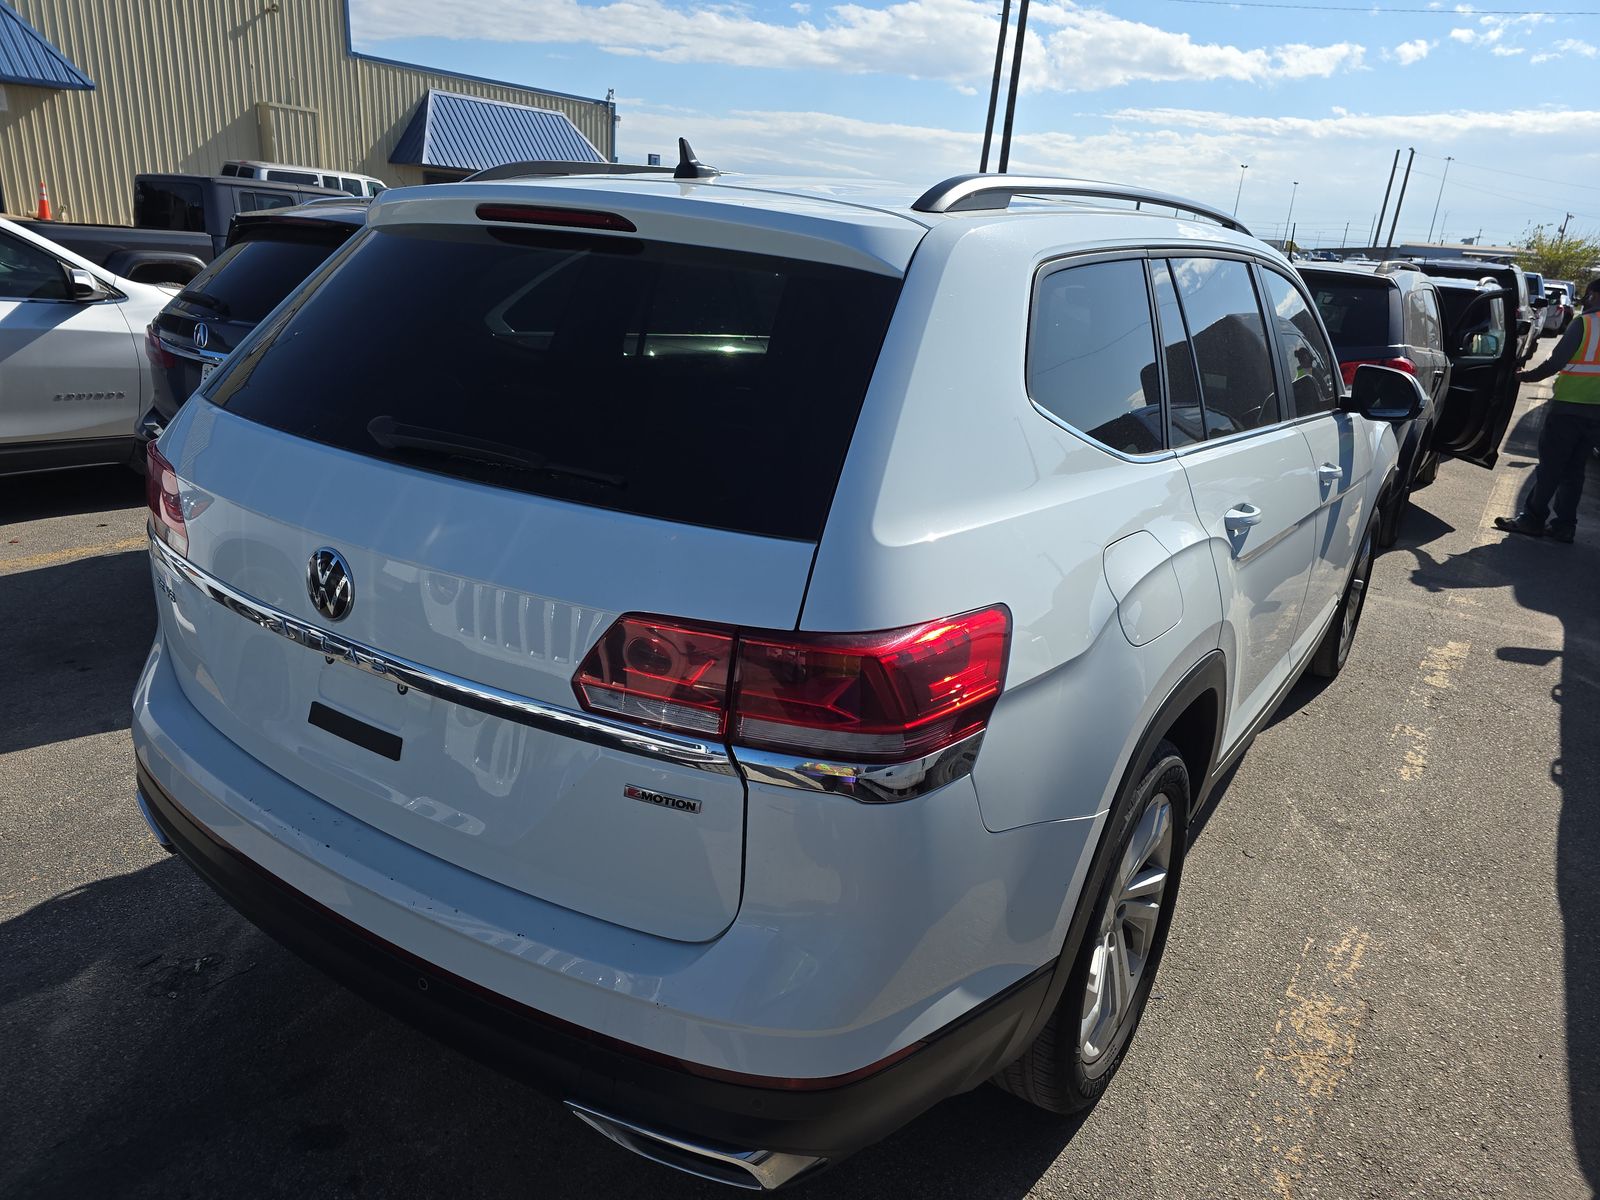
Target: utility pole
(1346, 237)
(1563, 234)
(1016, 75)
(1377, 226)
(1239, 191)
(994, 85)
(1399, 200)
(1447, 161)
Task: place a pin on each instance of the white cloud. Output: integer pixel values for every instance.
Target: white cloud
(1574, 46)
(1464, 35)
(1075, 49)
(1507, 51)
(1407, 53)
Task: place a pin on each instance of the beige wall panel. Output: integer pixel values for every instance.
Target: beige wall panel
(178, 84)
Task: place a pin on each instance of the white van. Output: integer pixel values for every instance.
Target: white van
(344, 181)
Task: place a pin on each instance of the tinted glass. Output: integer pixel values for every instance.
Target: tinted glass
(296, 177)
(1480, 328)
(1091, 354)
(256, 201)
(1230, 344)
(159, 204)
(28, 273)
(1430, 333)
(1185, 418)
(353, 186)
(702, 386)
(1307, 361)
(248, 279)
(1358, 313)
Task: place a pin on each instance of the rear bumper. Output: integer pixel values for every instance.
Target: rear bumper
(579, 1066)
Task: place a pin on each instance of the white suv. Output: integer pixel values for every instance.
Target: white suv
(747, 654)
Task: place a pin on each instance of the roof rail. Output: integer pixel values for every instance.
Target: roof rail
(970, 193)
(557, 166)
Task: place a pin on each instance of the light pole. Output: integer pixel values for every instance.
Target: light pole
(1290, 218)
(1239, 191)
(1447, 161)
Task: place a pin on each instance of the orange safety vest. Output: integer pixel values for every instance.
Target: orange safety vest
(1579, 380)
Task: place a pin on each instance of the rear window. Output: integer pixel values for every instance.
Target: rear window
(694, 385)
(164, 204)
(249, 278)
(1358, 314)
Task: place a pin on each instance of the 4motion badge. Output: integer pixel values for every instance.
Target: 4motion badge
(660, 799)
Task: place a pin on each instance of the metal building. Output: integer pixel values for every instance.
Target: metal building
(93, 92)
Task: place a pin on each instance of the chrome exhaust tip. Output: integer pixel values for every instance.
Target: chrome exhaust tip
(753, 1170)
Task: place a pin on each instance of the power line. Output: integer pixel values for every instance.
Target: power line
(1515, 174)
(1409, 12)
(1539, 202)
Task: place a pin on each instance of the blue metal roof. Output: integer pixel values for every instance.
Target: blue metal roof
(26, 58)
(467, 133)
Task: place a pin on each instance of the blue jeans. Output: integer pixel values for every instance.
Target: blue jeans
(1570, 432)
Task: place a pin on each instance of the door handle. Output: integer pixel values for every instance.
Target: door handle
(1329, 473)
(1241, 517)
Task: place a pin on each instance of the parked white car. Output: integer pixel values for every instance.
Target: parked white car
(748, 654)
(73, 372)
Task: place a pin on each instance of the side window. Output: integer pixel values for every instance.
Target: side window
(28, 273)
(309, 177)
(1230, 344)
(168, 204)
(1432, 326)
(1091, 354)
(1306, 359)
(353, 186)
(1185, 417)
(256, 201)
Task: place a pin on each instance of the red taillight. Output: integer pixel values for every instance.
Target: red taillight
(166, 506)
(664, 673)
(1348, 369)
(871, 698)
(158, 354)
(571, 218)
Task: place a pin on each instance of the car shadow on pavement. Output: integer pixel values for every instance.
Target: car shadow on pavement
(77, 634)
(1561, 581)
(63, 493)
(160, 1046)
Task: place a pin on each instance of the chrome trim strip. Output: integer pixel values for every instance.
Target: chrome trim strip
(869, 783)
(753, 1170)
(442, 685)
(190, 352)
(969, 193)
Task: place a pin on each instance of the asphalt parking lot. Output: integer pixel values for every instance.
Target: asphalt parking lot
(1383, 979)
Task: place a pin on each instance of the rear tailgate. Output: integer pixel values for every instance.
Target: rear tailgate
(509, 441)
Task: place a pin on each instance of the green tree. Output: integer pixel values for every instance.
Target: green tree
(1553, 257)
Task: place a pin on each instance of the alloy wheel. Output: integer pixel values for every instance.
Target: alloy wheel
(1126, 931)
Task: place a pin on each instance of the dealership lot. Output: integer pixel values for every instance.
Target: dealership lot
(1379, 983)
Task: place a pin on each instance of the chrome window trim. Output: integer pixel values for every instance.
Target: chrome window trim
(869, 783)
(441, 685)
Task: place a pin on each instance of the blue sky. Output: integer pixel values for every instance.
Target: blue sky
(1170, 94)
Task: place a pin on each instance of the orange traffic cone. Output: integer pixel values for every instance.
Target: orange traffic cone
(44, 202)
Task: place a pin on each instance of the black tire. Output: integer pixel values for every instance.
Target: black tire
(1334, 649)
(1055, 1073)
(1427, 473)
(1390, 516)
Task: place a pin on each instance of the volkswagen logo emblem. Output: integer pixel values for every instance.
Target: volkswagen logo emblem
(329, 584)
(202, 335)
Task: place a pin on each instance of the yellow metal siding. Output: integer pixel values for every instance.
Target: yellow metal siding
(184, 85)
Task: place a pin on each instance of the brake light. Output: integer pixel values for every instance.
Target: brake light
(871, 698)
(159, 356)
(1348, 369)
(571, 218)
(166, 506)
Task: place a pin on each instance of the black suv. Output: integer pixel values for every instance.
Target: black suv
(1521, 312)
(1484, 355)
(268, 255)
(1392, 319)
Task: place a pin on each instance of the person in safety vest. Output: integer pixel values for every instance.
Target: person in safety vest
(1571, 427)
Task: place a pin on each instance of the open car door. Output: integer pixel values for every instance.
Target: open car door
(1483, 384)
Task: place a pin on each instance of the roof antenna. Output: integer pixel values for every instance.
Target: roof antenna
(690, 167)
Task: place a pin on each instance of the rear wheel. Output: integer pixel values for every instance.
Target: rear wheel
(1391, 515)
(1135, 881)
(1334, 648)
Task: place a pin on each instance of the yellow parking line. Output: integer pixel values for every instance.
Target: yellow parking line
(30, 562)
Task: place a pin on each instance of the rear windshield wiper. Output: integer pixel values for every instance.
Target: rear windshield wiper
(215, 303)
(392, 435)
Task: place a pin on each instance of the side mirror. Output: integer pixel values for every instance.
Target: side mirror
(84, 287)
(1541, 302)
(1384, 394)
